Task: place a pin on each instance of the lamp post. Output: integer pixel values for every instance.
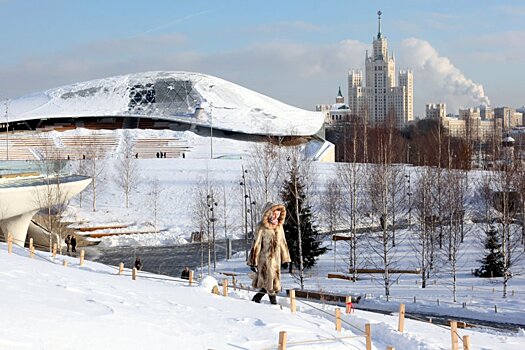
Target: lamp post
(409, 194)
(211, 205)
(252, 214)
(209, 245)
(211, 134)
(245, 208)
(7, 129)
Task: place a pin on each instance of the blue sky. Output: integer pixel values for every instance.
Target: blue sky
(462, 52)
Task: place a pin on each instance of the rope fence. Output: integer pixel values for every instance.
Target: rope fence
(366, 332)
(453, 329)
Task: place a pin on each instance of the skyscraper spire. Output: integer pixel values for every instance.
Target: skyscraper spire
(379, 13)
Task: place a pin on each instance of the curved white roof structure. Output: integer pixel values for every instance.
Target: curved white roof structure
(21, 197)
(191, 98)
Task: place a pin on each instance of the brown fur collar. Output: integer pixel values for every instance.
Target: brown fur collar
(268, 210)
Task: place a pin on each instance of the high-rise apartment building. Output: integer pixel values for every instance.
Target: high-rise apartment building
(381, 97)
(436, 110)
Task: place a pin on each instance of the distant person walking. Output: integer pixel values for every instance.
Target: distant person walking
(73, 244)
(68, 243)
(185, 274)
(138, 263)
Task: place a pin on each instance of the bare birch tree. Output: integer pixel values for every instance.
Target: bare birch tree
(506, 203)
(350, 177)
(95, 162)
(154, 198)
(423, 210)
(52, 197)
(384, 181)
(453, 221)
(263, 172)
(127, 168)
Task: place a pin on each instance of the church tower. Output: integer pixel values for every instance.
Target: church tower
(339, 98)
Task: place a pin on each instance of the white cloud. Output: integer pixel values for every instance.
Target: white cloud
(299, 74)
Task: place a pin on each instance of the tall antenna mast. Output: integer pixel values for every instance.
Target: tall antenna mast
(379, 13)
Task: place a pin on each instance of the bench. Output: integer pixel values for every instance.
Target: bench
(323, 296)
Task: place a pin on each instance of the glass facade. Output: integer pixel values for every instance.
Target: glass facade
(164, 97)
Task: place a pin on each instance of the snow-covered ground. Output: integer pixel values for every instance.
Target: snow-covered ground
(45, 305)
(81, 307)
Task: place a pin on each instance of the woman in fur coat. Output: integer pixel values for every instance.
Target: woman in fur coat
(269, 251)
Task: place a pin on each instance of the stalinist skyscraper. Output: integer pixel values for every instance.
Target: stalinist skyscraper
(381, 98)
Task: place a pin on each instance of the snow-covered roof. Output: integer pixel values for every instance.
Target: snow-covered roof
(339, 107)
(186, 97)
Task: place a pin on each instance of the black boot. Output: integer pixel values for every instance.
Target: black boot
(257, 297)
(273, 299)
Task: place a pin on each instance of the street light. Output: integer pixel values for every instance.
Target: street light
(211, 134)
(409, 194)
(7, 130)
(252, 214)
(213, 219)
(245, 207)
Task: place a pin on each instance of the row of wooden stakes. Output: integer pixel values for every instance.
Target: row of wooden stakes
(293, 308)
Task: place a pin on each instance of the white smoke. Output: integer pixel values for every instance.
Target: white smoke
(436, 79)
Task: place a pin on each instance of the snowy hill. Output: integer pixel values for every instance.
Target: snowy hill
(95, 308)
(45, 305)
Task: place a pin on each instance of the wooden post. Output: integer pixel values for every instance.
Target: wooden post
(82, 257)
(390, 348)
(225, 287)
(9, 243)
(466, 342)
(454, 334)
(292, 301)
(191, 277)
(414, 299)
(495, 309)
(54, 250)
(401, 323)
(348, 303)
(134, 274)
(31, 248)
(338, 319)
(282, 340)
(368, 334)
(120, 268)
(64, 262)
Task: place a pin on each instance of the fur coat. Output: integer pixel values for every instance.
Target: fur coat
(269, 250)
